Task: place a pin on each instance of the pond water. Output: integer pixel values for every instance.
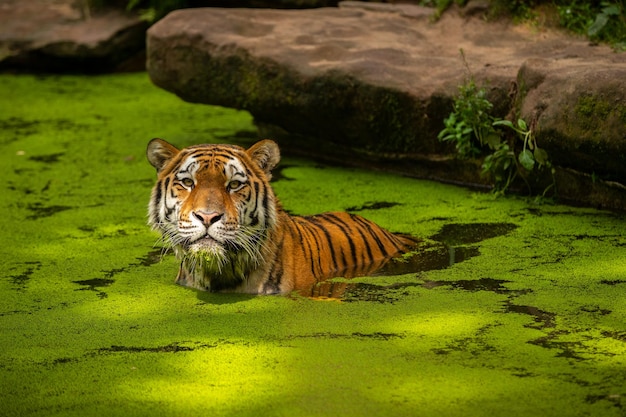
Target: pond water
(449, 246)
(507, 307)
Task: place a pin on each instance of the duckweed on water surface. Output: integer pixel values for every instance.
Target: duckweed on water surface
(508, 309)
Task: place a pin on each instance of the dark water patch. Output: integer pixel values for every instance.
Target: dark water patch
(21, 127)
(16, 123)
(61, 361)
(475, 345)
(113, 272)
(377, 336)
(452, 245)
(39, 211)
(355, 335)
(617, 400)
(535, 211)
(434, 258)
(24, 171)
(613, 282)
(46, 187)
(568, 350)
(439, 219)
(104, 236)
(482, 284)
(154, 256)
(373, 205)
(621, 336)
(20, 280)
(359, 291)
(151, 258)
(279, 175)
(171, 348)
(522, 372)
(429, 257)
(94, 284)
(550, 210)
(47, 159)
(543, 319)
(595, 309)
(24, 190)
(454, 234)
(175, 347)
(25, 127)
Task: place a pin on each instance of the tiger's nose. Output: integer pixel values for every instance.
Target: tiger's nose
(207, 218)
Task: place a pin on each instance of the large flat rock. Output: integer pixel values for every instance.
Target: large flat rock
(62, 36)
(372, 83)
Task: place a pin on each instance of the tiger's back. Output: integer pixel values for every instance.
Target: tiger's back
(214, 205)
(328, 245)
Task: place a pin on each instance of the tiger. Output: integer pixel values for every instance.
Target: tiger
(214, 207)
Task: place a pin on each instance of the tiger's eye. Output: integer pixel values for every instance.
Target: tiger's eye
(234, 185)
(188, 182)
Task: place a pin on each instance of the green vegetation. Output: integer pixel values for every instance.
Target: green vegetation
(149, 10)
(153, 10)
(511, 309)
(474, 132)
(601, 21)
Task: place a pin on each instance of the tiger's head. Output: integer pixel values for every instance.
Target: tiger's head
(213, 204)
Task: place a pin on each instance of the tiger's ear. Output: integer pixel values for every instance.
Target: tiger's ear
(266, 155)
(159, 152)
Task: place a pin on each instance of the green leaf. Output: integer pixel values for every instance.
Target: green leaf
(493, 140)
(526, 159)
(541, 156)
(601, 21)
(612, 10)
(132, 4)
(522, 124)
(507, 123)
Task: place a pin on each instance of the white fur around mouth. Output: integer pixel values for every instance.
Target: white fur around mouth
(205, 244)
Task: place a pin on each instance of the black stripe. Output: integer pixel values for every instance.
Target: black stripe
(181, 157)
(320, 225)
(253, 211)
(345, 229)
(316, 240)
(372, 232)
(294, 228)
(367, 246)
(212, 153)
(168, 211)
(276, 272)
(303, 227)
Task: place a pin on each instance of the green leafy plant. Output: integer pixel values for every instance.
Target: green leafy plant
(475, 132)
(470, 125)
(153, 10)
(601, 21)
(148, 10)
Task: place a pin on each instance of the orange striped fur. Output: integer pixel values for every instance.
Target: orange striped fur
(214, 206)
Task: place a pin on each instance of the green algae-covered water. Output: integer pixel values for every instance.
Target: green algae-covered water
(509, 309)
